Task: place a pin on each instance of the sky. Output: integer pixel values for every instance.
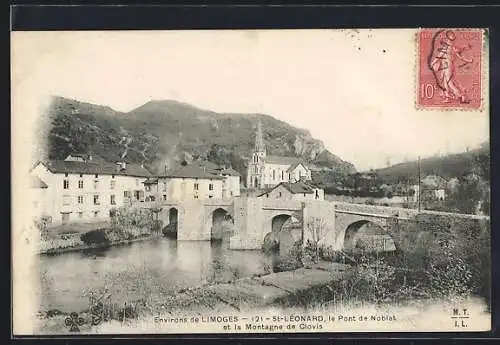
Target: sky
(352, 89)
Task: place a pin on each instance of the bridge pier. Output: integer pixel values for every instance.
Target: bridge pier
(248, 222)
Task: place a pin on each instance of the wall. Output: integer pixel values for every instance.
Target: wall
(299, 171)
(248, 222)
(232, 185)
(278, 169)
(183, 188)
(320, 215)
(192, 221)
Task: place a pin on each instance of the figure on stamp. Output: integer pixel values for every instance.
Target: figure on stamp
(443, 63)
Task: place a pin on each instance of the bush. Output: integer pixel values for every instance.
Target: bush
(42, 224)
(94, 237)
(292, 260)
(157, 225)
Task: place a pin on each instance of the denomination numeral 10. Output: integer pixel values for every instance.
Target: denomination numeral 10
(427, 91)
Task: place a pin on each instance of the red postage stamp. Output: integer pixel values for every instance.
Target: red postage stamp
(450, 67)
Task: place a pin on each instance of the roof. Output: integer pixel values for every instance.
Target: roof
(192, 171)
(36, 182)
(90, 168)
(294, 188)
(215, 168)
(281, 160)
(434, 181)
(295, 165)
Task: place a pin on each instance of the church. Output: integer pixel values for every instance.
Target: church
(266, 171)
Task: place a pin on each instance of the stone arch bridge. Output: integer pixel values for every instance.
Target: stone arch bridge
(334, 224)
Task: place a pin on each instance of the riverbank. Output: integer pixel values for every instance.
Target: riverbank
(73, 242)
(241, 295)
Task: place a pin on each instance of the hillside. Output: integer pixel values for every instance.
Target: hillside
(163, 133)
(453, 165)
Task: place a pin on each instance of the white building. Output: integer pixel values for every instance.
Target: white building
(38, 190)
(82, 189)
(193, 182)
(266, 171)
(301, 190)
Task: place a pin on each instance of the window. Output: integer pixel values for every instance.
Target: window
(66, 199)
(80, 199)
(112, 176)
(81, 175)
(126, 194)
(80, 184)
(147, 188)
(164, 186)
(112, 200)
(66, 184)
(274, 174)
(196, 196)
(211, 186)
(210, 196)
(136, 181)
(96, 175)
(65, 218)
(282, 175)
(279, 194)
(66, 175)
(80, 214)
(96, 184)
(196, 186)
(164, 197)
(256, 170)
(96, 213)
(112, 184)
(96, 199)
(304, 194)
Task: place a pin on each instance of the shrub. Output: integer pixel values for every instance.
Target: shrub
(94, 237)
(292, 260)
(42, 224)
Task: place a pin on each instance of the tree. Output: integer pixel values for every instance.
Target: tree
(314, 232)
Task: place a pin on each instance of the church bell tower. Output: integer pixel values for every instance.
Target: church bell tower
(256, 165)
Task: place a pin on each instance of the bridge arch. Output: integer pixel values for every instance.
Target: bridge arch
(275, 238)
(368, 234)
(171, 221)
(219, 217)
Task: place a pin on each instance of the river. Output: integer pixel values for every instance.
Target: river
(141, 269)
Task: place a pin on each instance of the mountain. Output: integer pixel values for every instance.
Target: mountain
(165, 132)
(454, 165)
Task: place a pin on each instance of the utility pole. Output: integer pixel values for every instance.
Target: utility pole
(419, 190)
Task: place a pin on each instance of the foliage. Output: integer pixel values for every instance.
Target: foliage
(94, 237)
(314, 232)
(134, 217)
(42, 223)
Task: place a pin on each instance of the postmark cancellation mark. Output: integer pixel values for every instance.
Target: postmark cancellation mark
(450, 68)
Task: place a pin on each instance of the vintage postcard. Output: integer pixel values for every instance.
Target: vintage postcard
(255, 181)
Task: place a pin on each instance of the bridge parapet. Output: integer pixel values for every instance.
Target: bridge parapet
(375, 210)
(218, 202)
(280, 204)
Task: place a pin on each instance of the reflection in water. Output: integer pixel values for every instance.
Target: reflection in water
(141, 269)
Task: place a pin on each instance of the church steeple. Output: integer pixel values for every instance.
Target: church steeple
(259, 141)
